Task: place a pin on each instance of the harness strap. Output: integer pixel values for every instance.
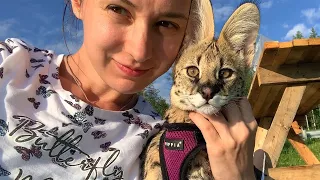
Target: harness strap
(179, 144)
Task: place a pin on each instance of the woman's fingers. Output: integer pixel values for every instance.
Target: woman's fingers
(247, 114)
(208, 131)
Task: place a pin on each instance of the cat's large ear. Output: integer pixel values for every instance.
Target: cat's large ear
(200, 24)
(241, 30)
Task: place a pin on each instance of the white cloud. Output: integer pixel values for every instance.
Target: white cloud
(311, 14)
(299, 27)
(222, 13)
(266, 4)
(285, 25)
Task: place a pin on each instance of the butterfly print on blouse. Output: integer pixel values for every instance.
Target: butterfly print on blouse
(42, 79)
(136, 121)
(106, 147)
(4, 172)
(76, 106)
(99, 121)
(144, 135)
(40, 50)
(1, 72)
(80, 120)
(35, 103)
(27, 74)
(89, 110)
(6, 46)
(98, 134)
(37, 66)
(25, 46)
(3, 127)
(36, 60)
(74, 98)
(157, 126)
(56, 75)
(44, 92)
(50, 55)
(27, 153)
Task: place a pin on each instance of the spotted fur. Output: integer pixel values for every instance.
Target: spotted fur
(221, 66)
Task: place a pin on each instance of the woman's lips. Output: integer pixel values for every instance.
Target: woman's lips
(130, 72)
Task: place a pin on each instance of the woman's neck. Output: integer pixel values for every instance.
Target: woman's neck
(82, 81)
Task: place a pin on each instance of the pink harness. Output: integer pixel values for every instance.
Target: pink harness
(179, 144)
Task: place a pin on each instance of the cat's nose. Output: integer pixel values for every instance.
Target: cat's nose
(208, 93)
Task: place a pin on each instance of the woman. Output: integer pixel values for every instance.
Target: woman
(79, 116)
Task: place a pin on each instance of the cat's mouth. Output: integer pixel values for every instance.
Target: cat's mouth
(210, 106)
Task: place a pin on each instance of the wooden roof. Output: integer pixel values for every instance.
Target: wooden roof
(284, 64)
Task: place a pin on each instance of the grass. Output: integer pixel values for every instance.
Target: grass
(290, 157)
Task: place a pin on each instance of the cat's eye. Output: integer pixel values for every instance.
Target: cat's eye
(192, 71)
(225, 73)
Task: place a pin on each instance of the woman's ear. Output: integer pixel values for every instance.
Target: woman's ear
(76, 7)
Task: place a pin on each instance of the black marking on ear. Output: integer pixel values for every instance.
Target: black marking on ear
(255, 2)
(198, 60)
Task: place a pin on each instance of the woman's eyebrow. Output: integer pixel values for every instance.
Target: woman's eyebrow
(129, 3)
(174, 15)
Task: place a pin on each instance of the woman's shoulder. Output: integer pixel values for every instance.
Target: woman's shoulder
(14, 47)
(18, 56)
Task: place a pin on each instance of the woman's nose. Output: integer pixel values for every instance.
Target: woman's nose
(140, 42)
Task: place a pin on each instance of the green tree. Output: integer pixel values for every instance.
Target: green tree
(159, 104)
(313, 33)
(298, 35)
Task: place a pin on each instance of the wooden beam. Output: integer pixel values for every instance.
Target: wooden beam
(299, 47)
(281, 124)
(262, 132)
(298, 144)
(269, 52)
(294, 173)
(289, 74)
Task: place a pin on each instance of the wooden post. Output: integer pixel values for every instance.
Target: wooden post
(281, 124)
(294, 173)
(305, 153)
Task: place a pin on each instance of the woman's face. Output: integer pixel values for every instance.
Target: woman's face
(130, 43)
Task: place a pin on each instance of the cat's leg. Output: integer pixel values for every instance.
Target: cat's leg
(200, 167)
(152, 168)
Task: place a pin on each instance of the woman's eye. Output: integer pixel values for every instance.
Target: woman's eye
(118, 10)
(167, 24)
(193, 71)
(225, 73)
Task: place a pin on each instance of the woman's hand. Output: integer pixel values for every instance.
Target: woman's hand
(230, 138)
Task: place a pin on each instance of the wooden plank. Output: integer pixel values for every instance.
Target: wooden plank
(309, 103)
(289, 74)
(262, 132)
(298, 144)
(316, 42)
(294, 173)
(297, 51)
(274, 106)
(270, 99)
(282, 54)
(281, 124)
(269, 53)
(308, 98)
(254, 91)
(314, 49)
(260, 101)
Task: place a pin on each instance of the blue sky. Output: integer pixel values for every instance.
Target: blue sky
(39, 22)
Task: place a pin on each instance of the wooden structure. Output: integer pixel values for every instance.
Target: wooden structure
(286, 86)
